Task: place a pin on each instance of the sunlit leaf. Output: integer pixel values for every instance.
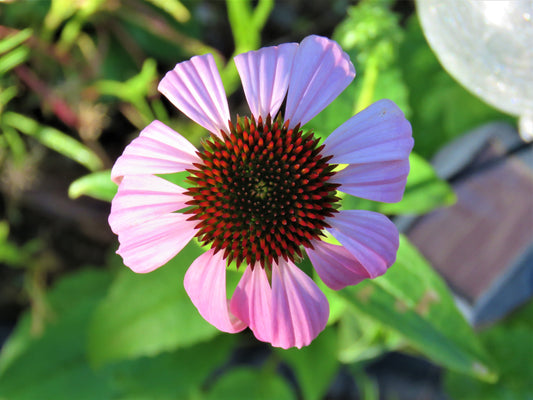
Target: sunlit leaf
(55, 140)
(96, 184)
(175, 8)
(12, 41)
(13, 58)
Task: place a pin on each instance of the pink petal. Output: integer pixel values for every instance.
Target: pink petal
(205, 283)
(151, 244)
(195, 88)
(252, 302)
(320, 72)
(379, 181)
(157, 150)
(376, 134)
(143, 197)
(335, 265)
(300, 310)
(370, 237)
(265, 77)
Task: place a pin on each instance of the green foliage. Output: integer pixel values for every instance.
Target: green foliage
(12, 254)
(510, 344)
(147, 314)
(54, 360)
(171, 375)
(246, 25)
(244, 384)
(134, 91)
(313, 370)
(12, 52)
(54, 139)
(362, 338)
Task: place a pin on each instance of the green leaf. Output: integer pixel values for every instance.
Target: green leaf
(16, 145)
(424, 192)
(510, 344)
(362, 338)
(175, 8)
(6, 95)
(314, 371)
(174, 375)
(245, 384)
(54, 139)
(134, 90)
(53, 365)
(413, 300)
(96, 184)
(13, 58)
(12, 41)
(146, 314)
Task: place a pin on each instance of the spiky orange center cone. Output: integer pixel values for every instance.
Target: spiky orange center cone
(261, 191)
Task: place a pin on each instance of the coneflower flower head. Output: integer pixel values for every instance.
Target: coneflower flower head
(263, 190)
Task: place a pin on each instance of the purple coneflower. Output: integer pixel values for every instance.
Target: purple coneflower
(264, 191)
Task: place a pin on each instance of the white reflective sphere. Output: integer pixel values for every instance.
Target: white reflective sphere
(487, 45)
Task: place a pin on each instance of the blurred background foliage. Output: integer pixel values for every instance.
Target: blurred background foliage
(78, 81)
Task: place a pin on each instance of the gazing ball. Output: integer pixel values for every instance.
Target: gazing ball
(486, 45)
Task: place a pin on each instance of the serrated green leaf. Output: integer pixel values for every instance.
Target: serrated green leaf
(146, 314)
(414, 301)
(245, 384)
(55, 140)
(313, 370)
(97, 185)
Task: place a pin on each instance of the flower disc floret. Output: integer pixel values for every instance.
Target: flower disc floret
(262, 191)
